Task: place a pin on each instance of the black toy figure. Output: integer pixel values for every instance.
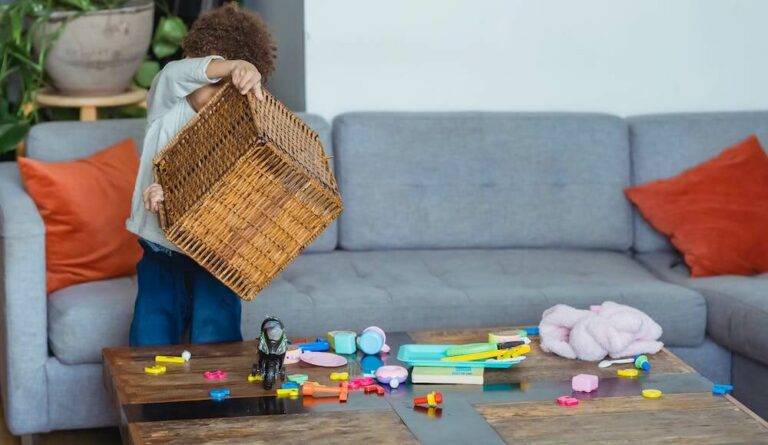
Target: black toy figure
(272, 347)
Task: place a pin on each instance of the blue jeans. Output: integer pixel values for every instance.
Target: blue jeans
(176, 294)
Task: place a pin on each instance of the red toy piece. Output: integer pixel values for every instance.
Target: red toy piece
(344, 392)
(374, 389)
(567, 401)
(432, 399)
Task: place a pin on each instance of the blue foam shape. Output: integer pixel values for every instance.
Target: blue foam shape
(219, 393)
(532, 330)
(290, 385)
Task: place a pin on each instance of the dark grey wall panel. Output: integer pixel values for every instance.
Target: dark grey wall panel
(286, 20)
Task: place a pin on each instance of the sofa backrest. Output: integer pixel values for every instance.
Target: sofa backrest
(67, 140)
(472, 179)
(663, 145)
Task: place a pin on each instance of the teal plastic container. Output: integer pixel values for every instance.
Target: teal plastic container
(431, 355)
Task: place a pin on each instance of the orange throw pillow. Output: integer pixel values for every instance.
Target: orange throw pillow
(84, 205)
(715, 214)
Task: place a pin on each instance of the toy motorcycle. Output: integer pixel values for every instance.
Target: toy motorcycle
(272, 347)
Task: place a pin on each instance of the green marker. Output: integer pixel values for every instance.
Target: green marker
(473, 348)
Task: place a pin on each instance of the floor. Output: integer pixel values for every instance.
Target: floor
(102, 436)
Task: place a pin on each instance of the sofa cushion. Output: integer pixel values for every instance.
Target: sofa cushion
(666, 144)
(404, 290)
(466, 180)
(61, 141)
(737, 307)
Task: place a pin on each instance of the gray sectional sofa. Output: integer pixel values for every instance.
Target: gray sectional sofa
(451, 220)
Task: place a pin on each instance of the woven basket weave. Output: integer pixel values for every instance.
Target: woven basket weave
(247, 186)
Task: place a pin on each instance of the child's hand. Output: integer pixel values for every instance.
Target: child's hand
(153, 196)
(245, 77)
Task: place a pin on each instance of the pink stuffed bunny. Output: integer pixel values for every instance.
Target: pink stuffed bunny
(609, 329)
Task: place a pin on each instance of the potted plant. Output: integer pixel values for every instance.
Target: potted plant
(78, 46)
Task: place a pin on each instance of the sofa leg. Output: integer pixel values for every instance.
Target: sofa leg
(29, 439)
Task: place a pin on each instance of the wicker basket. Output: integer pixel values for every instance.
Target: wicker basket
(247, 186)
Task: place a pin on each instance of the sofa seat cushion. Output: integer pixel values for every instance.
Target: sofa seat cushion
(404, 290)
(84, 318)
(737, 307)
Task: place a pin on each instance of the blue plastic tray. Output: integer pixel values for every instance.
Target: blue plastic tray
(430, 355)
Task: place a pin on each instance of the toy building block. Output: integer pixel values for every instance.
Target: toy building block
(567, 401)
(219, 393)
(344, 393)
(298, 378)
(343, 342)
(371, 389)
(255, 378)
(319, 345)
(651, 393)
(532, 330)
(642, 363)
(584, 382)
(339, 376)
(431, 399)
(360, 382)
(290, 385)
(287, 392)
(170, 359)
(315, 390)
(155, 369)
(721, 389)
(628, 372)
(217, 374)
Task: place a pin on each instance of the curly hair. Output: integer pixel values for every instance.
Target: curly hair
(232, 33)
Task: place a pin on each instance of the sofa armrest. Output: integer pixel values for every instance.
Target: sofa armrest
(23, 323)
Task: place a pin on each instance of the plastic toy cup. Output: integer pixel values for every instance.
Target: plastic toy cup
(371, 340)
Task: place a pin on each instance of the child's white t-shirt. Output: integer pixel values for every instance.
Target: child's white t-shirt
(168, 111)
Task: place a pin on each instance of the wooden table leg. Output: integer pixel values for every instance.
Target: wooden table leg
(87, 113)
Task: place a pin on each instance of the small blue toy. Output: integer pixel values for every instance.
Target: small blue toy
(290, 385)
(642, 363)
(219, 393)
(721, 389)
(532, 330)
(319, 345)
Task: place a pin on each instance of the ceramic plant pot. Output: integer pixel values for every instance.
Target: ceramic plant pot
(98, 52)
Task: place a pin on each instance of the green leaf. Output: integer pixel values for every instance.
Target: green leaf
(162, 49)
(16, 25)
(171, 30)
(11, 133)
(146, 72)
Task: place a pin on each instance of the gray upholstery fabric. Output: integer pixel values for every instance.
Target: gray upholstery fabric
(448, 180)
(58, 141)
(750, 384)
(737, 307)
(666, 144)
(403, 290)
(708, 359)
(23, 339)
(85, 318)
(77, 397)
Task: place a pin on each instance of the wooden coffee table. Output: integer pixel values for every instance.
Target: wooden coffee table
(513, 406)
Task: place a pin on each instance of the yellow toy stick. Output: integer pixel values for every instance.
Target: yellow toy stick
(169, 359)
(501, 353)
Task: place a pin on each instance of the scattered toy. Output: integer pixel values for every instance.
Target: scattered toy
(273, 345)
(169, 359)
(255, 378)
(360, 382)
(324, 359)
(392, 375)
(721, 389)
(343, 342)
(628, 372)
(186, 355)
(607, 363)
(219, 393)
(498, 354)
(532, 330)
(298, 378)
(316, 390)
(370, 389)
(344, 393)
(567, 401)
(217, 374)
(290, 385)
(292, 356)
(642, 363)
(432, 399)
(584, 382)
(339, 376)
(372, 340)
(319, 345)
(155, 369)
(287, 392)
(651, 393)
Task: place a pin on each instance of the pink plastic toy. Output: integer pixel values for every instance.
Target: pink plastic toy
(360, 382)
(584, 382)
(292, 356)
(325, 359)
(567, 401)
(392, 375)
(215, 375)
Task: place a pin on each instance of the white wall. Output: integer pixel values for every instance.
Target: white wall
(618, 56)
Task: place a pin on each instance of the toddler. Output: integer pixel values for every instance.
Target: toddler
(175, 294)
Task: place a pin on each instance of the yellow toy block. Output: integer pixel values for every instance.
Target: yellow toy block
(254, 378)
(288, 392)
(339, 376)
(169, 359)
(629, 372)
(651, 393)
(500, 353)
(155, 369)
